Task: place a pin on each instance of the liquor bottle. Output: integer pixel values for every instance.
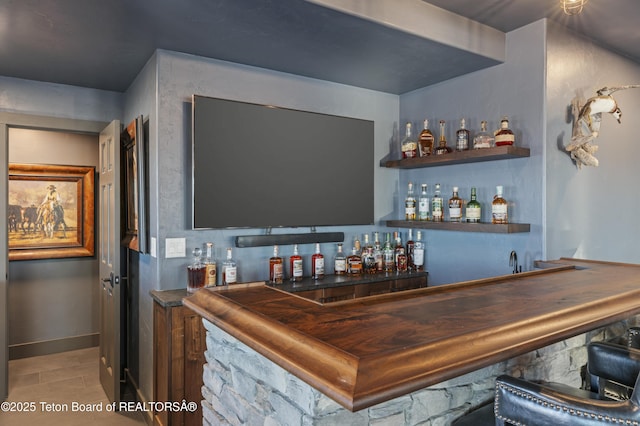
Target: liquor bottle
(455, 206)
(356, 245)
(229, 269)
(410, 204)
(423, 203)
(196, 272)
(436, 206)
(377, 252)
(504, 135)
(354, 263)
(410, 251)
(499, 208)
(483, 138)
(426, 141)
(340, 262)
(276, 268)
(442, 142)
(408, 145)
(317, 264)
(400, 254)
(388, 255)
(295, 265)
(462, 137)
(210, 266)
(473, 211)
(418, 252)
(368, 261)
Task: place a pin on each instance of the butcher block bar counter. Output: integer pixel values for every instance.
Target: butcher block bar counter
(365, 351)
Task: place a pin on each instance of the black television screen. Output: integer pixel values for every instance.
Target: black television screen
(259, 166)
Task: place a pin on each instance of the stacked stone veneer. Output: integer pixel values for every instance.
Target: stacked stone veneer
(241, 387)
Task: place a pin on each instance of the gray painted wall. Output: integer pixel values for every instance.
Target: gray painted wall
(591, 213)
(516, 89)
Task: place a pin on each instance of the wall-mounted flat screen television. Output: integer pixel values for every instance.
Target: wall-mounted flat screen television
(261, 166)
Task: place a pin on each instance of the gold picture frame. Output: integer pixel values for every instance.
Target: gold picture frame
(51, 211)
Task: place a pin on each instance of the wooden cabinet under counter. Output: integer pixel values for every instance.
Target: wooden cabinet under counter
(178, 357)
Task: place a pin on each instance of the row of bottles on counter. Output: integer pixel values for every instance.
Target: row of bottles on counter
(425, 209)
(425, 146)
(203, 271)
(366, 258)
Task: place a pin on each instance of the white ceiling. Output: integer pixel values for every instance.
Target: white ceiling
(98, 44)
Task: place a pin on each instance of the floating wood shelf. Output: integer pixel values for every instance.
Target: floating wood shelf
(508, 228)
(460, 157)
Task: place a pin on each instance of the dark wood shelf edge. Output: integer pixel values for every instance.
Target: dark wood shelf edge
(509, 228)
(460, 157)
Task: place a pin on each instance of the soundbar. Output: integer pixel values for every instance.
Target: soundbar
(288, 239)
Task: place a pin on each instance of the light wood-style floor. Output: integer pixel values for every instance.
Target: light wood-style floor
(64, 379)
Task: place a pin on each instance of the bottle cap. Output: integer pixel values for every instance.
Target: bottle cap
(455, 189)
(499, 189)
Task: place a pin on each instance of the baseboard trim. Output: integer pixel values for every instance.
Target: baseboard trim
(47, 347)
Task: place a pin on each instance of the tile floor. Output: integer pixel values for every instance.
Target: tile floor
(63, 379)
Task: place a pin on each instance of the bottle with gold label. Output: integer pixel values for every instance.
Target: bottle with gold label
(442, 142)
(410, 204)
(210, 265)
(504, 135)
(426, 141)
(354, 263)
(409, 145)
(499, 213)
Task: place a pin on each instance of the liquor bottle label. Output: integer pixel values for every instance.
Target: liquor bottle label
(277, 271)
(211, 275)
(455, 212)
(473, 213)
(318, 266)
(499, 212)
(423, 209)
(340, 265)
(230, 274)
(418, 256)
(297, 268)
(505, 139)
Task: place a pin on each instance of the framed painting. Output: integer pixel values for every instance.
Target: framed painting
(135, 185)
(51, 211)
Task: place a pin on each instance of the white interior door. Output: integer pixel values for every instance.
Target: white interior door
(109, 253)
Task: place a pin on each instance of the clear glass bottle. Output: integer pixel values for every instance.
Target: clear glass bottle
(426, 141)
(442, 142)
(410, 204)
(229, 269)
(377, 252)
(295, 265)
(483, 139)
(423, 203)
(354, 263)
(504, 135)
(474, 209)
(408, 145)
(317, 264)
(368, 261)
(437, 214)
(276, 268)
(388, 255)
(210, 266)
(462, 137)
(340, 262)
(418, 252)
(410, 248)
(455, 206)
(499, 210)
(196, 272)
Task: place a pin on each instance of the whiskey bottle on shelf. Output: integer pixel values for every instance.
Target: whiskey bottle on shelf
(499, 213)
(423, 203)
(229, 269)
(442, 142)
(196, 272)
(410, 204)
(295, 265)
(340, 262)
(400, 254)
(483, 138)
(462, 137)
(388, 255)
(368, 261)
(377, 252)
(425, 141)
(504, 135)
(354, 263)
(455, 206)
(473, 210)
(210, 266)
(408, 145)
(418, 252)
(436, 205)
(276, 268)
(410, 248)
(317, 264)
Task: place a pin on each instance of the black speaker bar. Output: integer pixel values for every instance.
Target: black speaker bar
(288, 239)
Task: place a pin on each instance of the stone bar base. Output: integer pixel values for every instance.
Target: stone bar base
(241, 387)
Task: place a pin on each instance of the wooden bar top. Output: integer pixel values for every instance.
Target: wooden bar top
(366, 351)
